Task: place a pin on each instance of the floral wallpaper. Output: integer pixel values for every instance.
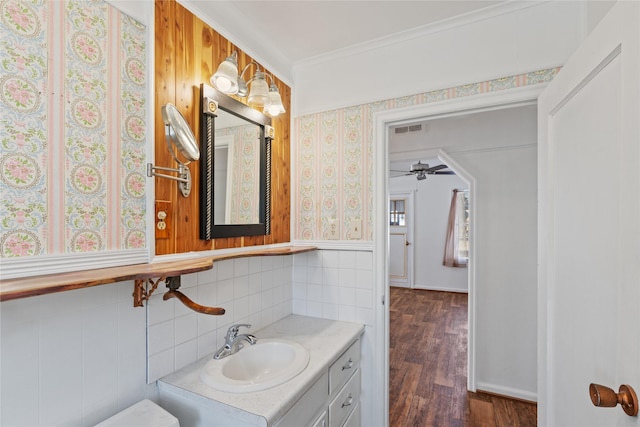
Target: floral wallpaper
(334, 156)
(72, 128)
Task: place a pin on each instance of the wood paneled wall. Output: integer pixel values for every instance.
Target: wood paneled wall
(187, 52)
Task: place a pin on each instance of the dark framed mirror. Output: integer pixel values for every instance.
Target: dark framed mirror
(235, 167)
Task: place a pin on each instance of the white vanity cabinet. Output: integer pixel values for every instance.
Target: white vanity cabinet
(325, 394)
(339, 399)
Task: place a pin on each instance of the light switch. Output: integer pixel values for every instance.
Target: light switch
(355, 228)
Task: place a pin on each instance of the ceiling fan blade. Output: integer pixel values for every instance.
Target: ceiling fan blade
(436, 168)
(442, 173)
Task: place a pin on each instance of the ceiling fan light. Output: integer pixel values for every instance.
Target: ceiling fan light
(419, 167)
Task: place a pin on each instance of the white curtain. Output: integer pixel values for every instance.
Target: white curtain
(451, 251)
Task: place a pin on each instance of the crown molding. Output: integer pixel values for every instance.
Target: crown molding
(436, 27)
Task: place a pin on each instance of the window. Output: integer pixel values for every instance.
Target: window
(397, 214)
(462, 226)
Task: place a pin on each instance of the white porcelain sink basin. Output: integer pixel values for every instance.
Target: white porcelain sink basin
(266, 364)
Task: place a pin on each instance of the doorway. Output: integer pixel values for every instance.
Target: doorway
(382, 122)
(401, 219)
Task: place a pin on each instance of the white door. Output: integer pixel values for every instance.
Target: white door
(589, 226)
(400, 240)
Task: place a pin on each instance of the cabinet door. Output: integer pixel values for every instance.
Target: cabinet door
(313, 401)
(342, 405)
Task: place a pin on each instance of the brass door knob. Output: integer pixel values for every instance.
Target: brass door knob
(605, 397)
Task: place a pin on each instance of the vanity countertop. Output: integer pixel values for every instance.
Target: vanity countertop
(324, 339)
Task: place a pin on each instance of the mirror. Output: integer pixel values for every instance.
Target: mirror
(235, 178)
(178, 135)
(179, 131)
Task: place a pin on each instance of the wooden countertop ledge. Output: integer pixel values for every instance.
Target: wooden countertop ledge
(52, 283)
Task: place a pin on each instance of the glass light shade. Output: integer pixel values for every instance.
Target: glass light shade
(226, 77)
(259, 91)
(274, 107)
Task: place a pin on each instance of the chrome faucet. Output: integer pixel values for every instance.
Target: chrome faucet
(233, 341)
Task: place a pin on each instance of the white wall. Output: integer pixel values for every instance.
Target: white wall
(432, 199)
(528, 36)
(506, 263)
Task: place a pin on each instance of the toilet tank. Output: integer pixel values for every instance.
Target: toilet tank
(143, 414)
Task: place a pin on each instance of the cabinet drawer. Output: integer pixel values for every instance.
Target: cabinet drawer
(311, 403)
(342, 368)
(354, 418)
(322, 421)
(345, 401)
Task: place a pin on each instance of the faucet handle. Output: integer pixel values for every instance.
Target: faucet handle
(233, 329)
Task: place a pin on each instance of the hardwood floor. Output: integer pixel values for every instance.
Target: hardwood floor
(428, 364)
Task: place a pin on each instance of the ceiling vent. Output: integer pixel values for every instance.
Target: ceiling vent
(406, 129)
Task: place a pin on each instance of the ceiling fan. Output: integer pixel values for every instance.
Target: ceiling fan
(421, 170)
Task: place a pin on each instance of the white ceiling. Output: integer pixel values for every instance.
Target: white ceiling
(296, 31)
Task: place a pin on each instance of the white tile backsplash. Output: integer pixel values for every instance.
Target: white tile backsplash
(186, 328)
(331, 259)
(78, 357)
(253, 290)
(225, 269)
(203, 277)
(330, 276)
(186, 353)
(334, 284)
(161, 364)
(225, 290)
(347, 259)
(364, 279)
(255, 265)
(314, 275)
(347, 277)
(240, 267)
(364, 260)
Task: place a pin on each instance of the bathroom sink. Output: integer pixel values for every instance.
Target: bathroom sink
(266, 364)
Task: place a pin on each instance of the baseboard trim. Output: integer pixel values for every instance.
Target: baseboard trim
(512, 393)
(442, 289)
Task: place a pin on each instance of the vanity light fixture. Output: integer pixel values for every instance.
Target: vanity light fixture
(178, 132)
(228, 80)
(275, 106)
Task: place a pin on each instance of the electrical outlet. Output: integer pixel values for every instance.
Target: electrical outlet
(332, 229)
(355, 228)
(163, 219)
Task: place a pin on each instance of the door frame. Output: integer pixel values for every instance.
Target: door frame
(409, 235)
(382, 122)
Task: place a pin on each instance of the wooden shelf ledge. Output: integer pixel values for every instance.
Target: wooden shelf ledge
(52, 283)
